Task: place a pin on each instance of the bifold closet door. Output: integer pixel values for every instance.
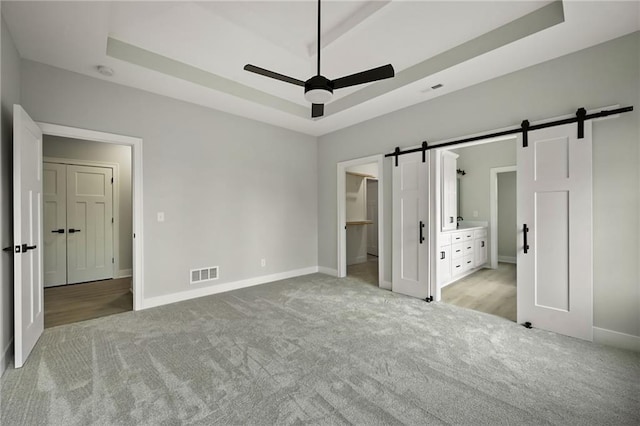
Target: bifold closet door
(55, 224)
(89, 224)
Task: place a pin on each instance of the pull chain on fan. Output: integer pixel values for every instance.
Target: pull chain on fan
(319, 89)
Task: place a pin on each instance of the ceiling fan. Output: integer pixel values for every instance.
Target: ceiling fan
(319, 89)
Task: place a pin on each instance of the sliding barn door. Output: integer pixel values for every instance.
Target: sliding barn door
(27, 235)
(555, 268)
(89, 222)
(55, 224)
(411, 226)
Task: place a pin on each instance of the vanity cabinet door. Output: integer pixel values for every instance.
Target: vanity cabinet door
(444, 264)
(480, 251)
(449, 192)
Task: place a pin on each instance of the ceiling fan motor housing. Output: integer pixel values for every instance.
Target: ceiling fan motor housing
(318, 82)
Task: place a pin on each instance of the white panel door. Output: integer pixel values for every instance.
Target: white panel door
(411, 226)
(89, 222)
(55, 224)
(372, 215)
(27, 235)
(555, 267)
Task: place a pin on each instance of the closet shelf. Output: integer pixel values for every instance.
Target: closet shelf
(360, 222)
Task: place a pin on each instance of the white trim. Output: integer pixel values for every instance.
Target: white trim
(328, 271)
(385, 285)
(136, 190)
(493, 204)
(115, 169)
(506, 259)
(124, 273)
(153, 302)
(614, 338)
(342, 233)
(5, 357)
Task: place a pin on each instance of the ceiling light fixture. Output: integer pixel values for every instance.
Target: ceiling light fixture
(105, 70)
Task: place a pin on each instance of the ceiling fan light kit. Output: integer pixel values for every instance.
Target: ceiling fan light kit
(319, 89)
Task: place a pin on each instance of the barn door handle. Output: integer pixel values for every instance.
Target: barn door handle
(442, 254)
(73, 231)
(525, 230)
(421, 228)
(26, 248)
(482, 244)
(58, 231)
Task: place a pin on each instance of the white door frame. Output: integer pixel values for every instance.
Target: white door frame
(136, 189)
(493, 199)
(342, 214)
(117, 273)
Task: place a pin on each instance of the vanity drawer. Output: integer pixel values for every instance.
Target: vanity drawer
(445, 239)
(467, 248)
(457, 237)
(457, 250)
(457, 266)
(480, 233)
(467, 262)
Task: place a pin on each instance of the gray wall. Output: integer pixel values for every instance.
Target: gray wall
(10, 94)
(477, 161)
(603, 75)
(233, 190)
(507, 204)
(74, 149)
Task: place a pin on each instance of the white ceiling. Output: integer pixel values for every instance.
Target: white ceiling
(219, 38)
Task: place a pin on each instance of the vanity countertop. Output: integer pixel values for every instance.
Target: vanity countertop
(464, 228)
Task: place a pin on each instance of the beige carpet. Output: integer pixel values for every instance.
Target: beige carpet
(317, 350)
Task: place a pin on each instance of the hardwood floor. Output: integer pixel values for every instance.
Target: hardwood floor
(489, 290)
(80, 302)
(366, 272)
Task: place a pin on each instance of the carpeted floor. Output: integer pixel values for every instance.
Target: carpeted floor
(320, 350)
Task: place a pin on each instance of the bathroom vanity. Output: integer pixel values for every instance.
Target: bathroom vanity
(460, 253)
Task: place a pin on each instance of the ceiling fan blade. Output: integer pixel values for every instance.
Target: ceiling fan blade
(317, 110)
(271, 74)
(374, 74)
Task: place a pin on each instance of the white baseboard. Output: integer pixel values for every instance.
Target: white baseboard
(328, 271)
(5, 357)
(124, 273)
(507, 259)
(221, 288)
(616, 339)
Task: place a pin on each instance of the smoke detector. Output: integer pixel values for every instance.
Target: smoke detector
(105, 70)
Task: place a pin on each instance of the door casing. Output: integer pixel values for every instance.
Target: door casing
(136, 189)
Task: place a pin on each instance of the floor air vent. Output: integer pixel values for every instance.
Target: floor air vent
(204, 274)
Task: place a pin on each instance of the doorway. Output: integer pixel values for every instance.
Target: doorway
(87, 229)
(360, 220)
(361, 204)
(123, 154)
(481, 245)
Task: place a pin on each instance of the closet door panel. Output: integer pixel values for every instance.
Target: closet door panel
(55, 224)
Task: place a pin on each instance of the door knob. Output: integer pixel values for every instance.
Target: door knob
(58, 231)
(73, 231)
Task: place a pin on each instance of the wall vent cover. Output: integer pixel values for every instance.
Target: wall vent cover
(199, 275)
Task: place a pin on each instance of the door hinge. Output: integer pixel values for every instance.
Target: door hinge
(111, 180)
(113, 260)
(111, 220)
